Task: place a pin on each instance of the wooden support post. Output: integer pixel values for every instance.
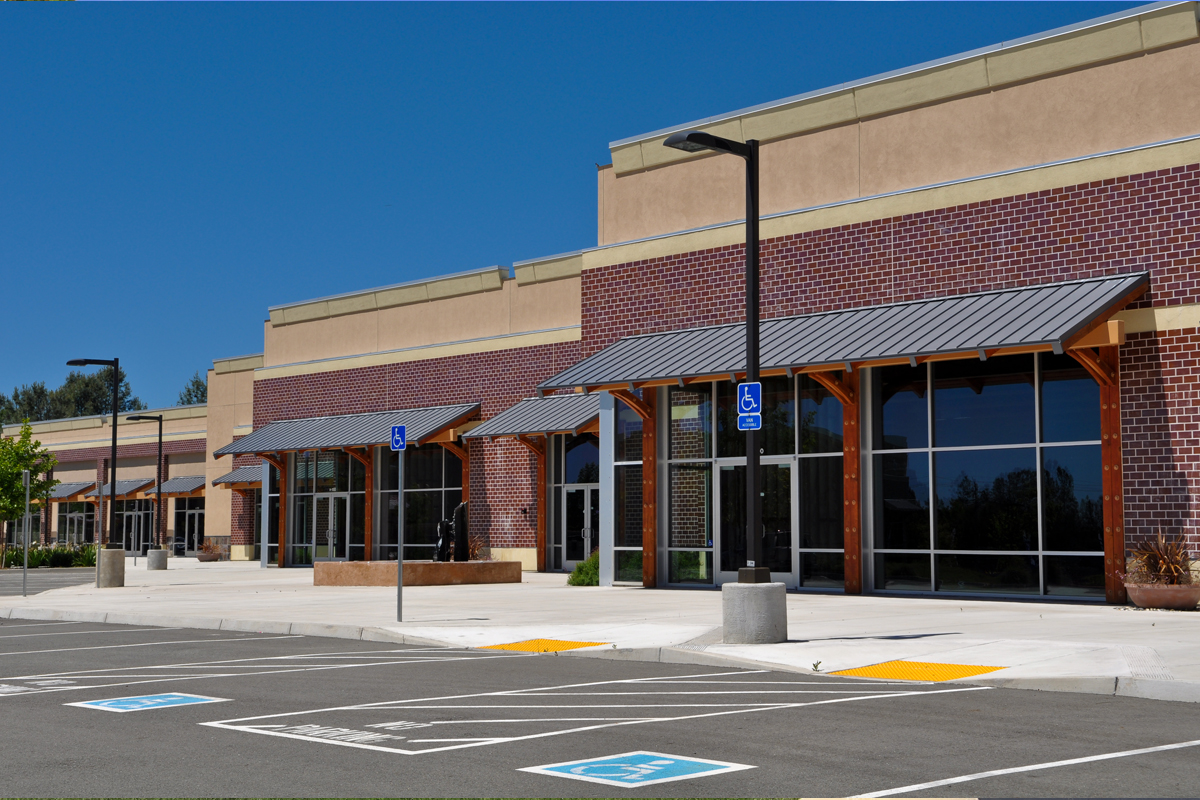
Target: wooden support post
(366, 458)
(1110, 455)
(539, 451)
(280, 464)
(650, 491)
(465, 457)
(852, 484)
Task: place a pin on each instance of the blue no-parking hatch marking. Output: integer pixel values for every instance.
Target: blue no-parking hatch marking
(639, 768)
(148, 701)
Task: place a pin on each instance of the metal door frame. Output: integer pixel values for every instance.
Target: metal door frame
(790, 579)
(591, 492)
(344, 530)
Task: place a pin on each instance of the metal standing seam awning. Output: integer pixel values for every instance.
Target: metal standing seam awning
(69, 492)
(125, 489)
(1049, 317)
(249, 477)
(542, 416)
(352, 430)
(184, 486)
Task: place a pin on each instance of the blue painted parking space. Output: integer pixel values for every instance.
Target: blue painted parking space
(639, 768)
(147, 701)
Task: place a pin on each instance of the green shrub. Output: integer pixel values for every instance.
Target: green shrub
(586, 573)
(60, 556)
(84, 556)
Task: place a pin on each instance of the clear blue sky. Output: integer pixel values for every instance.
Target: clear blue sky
(167, 172)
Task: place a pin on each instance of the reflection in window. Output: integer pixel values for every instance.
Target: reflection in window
(1072, 498)
(1070, 401)
(902, 572)
(983, 402)
(1075, 576)
(820, 418)
(902, 505)
(776, 517)
(821, 503)
(691, 422)
(582, 461)
(629, 506)
(986, 500)
(690, 498)
(629, 434)
(901, 411)
(822, 570)
(987, 573)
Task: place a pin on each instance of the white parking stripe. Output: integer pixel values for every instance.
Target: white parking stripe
(79, 633)
(148, 644)
(916, 787)
(39, 625)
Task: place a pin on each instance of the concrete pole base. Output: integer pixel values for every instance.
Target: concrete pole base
(156, 559)
(110, 568)
(754, 613)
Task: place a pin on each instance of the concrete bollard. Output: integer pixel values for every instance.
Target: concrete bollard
(156, 559)
(754, 613)
(110, 568)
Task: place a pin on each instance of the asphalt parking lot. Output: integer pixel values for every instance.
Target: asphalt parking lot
(43, 579)
(275, 716)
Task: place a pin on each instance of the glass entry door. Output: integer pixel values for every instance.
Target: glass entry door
(330, 526)
(581, 523)
(778, 543)
(193, 530)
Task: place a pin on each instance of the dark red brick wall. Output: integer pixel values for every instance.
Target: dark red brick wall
(140, 450)
(1132, 224)
(502, 473)
(1137, 223)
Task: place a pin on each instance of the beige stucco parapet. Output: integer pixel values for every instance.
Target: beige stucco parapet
(956, 76)
(1017, 182)
(222, 366)
(548, 269)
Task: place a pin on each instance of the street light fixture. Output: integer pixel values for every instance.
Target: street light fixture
(158, 473)
(112, 479)
(755, 570)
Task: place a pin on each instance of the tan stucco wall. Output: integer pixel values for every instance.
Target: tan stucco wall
(230, 412)
(510, 309)
(90, 432)
(1109, 106)
(76, 472)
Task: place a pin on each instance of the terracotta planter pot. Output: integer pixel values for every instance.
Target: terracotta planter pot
(208, 556)
(1149, 595)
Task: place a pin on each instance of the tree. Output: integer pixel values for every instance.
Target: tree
(81, 395)
(194, 392)
(18, 453)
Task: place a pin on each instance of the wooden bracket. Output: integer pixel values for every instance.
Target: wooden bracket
(1091, 362)
(274, 460)
(836, 386)
(458, 451)
(537, 448)
(633, 401)
(362, 458)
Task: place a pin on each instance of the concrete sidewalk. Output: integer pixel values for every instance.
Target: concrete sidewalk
(1057, 647)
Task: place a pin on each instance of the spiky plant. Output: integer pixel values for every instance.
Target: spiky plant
(1162, 561)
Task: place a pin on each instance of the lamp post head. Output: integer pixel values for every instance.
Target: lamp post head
(699, 141)
(87, 362)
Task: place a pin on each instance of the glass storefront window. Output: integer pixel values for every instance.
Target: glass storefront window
(628, 516)
(690, 566)
(628, 434)
(821, 515)
(966, 393)
(690, 427)
(778, 434)
(690, 509)
(582, 459)
(1016, 505)
(820, 418)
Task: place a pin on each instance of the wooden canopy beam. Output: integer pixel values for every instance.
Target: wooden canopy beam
(839, 387)
(465, 458)
(1103, 374)
(630, 399)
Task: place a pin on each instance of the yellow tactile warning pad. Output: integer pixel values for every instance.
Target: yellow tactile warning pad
(542, 646)
(917, 671)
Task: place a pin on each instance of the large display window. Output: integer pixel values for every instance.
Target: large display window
(986, 477)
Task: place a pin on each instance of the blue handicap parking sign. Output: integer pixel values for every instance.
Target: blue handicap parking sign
(399, 437)
(148, 701)
(749, 406)
(639, 768)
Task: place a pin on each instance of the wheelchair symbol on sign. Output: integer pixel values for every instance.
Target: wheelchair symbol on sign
(749, 398)
(398, 437)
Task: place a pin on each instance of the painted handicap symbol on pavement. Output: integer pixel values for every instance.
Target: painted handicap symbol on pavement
(148, 701)
(639, 768)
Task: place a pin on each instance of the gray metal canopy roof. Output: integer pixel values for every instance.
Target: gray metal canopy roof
(68, 489)
(1044, 315)
(541, 415)
(251, 474)
(123, 487)
(349, 430)
(182, 485)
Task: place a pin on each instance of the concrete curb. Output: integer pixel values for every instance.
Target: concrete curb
(356, 632)
(1146, 689)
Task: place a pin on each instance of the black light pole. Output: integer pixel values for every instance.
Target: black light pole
(694, 142)
(112, 475)
(157, 473)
